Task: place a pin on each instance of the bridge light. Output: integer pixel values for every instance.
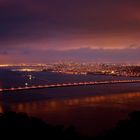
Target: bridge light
(112, 72)
(26, 84)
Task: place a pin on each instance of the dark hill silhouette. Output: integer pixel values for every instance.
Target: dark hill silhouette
(125, 129)
(21, 126)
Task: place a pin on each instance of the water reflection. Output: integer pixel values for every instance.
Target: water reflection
(55, 105)
(1, 109)
(89, 114)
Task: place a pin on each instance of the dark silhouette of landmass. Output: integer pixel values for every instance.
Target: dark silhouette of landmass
(125, 129)
(21, 126)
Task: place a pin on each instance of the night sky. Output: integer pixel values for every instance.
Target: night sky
(79, 30)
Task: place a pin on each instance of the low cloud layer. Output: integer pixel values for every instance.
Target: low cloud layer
(126, 55)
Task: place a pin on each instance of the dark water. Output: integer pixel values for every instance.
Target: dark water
(10, 79)
(91, 109)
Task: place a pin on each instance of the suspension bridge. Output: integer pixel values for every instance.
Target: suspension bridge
(67, 85)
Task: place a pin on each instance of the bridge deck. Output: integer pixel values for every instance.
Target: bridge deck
(67, 85)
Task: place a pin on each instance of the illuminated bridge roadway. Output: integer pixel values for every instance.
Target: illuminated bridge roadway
(68, 85)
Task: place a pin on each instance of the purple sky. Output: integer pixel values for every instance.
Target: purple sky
(48, 30)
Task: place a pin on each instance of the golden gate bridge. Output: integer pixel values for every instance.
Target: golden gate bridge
(67, 85)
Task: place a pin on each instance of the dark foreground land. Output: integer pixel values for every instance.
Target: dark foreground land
(21, 126)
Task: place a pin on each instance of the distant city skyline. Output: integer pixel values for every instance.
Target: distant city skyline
(35, 31)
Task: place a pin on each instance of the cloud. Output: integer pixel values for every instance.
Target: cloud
(131, 55)
(125, 55)
(28, 28)
(28, 20)
(134, 46)
(3, 53)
